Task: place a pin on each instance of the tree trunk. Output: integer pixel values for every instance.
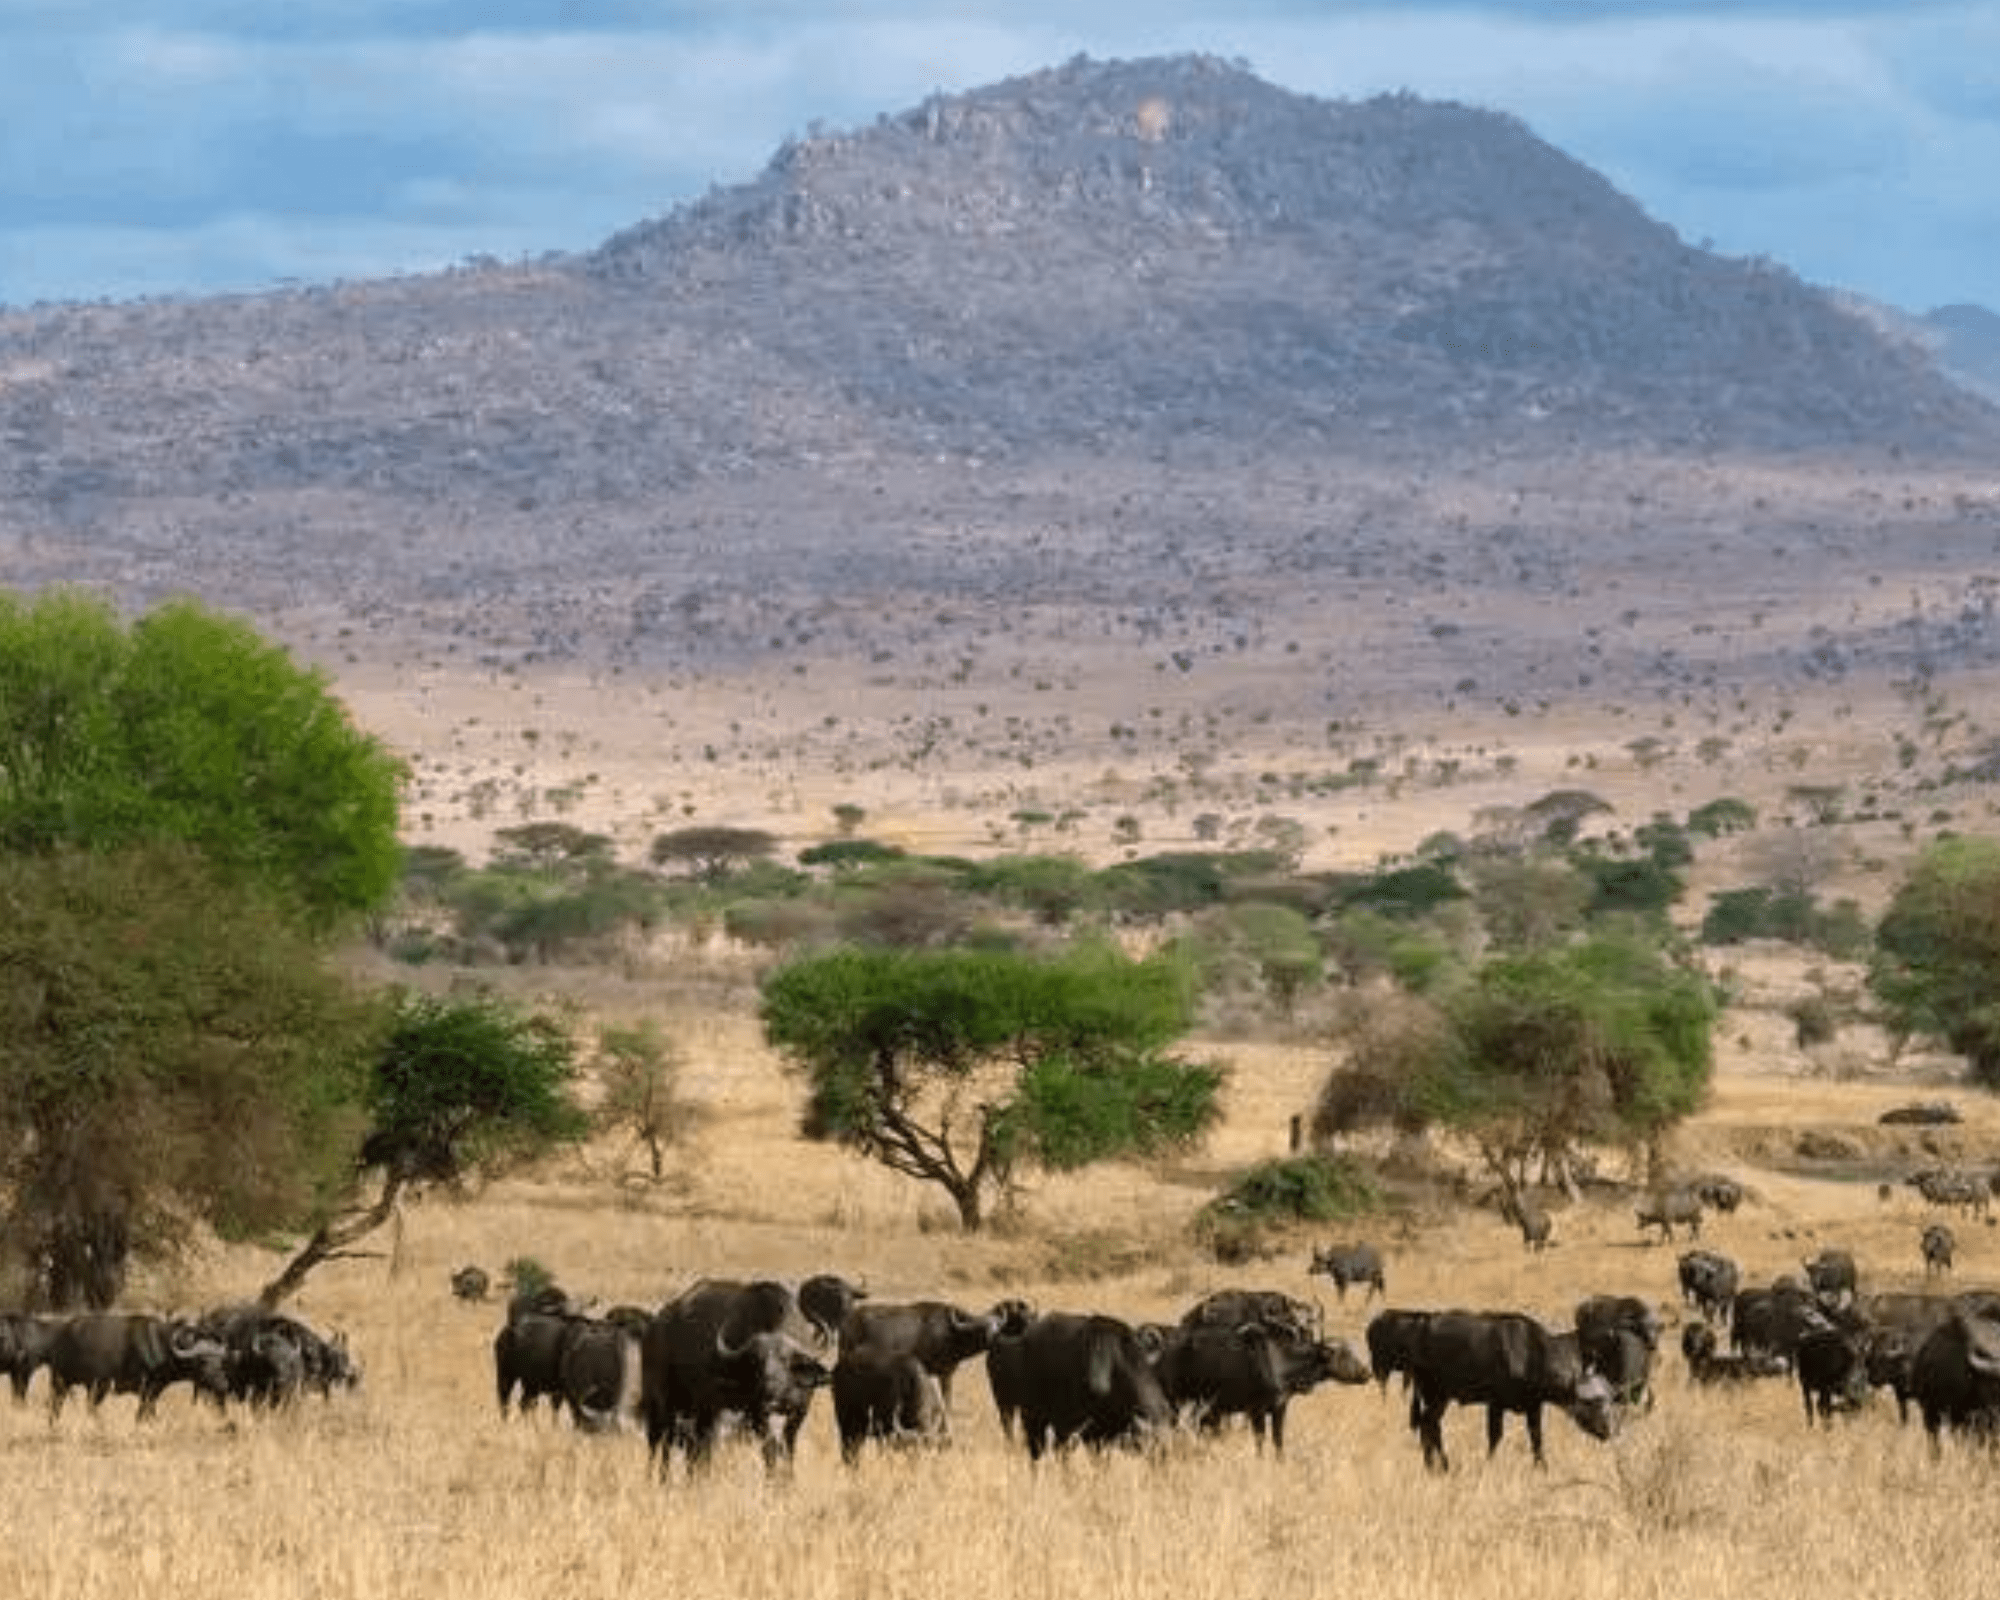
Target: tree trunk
(971, 1215)
(331, 1242)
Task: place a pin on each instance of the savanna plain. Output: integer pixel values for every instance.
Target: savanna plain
(415, 1484)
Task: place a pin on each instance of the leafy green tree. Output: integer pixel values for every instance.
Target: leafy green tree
(1718, 817)
(713, 851)
(1937, 952)
(640, 1069)
(961, 1067)
(174, 1049)
(1528, 902)
(1052, 888)
(1602, 1040)
(1273, 944)
(457, 1083)
(188, 726)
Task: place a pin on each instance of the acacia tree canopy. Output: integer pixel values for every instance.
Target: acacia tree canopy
(188, 726)
(961, 1067)
(172, 1049)
(1937, 963)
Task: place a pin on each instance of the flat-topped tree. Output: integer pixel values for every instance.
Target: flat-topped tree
(963, 1067)
(712, 852)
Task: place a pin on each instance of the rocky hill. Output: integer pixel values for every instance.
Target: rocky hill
(1028, 344)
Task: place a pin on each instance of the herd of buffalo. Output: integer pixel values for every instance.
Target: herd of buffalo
(746, 1357)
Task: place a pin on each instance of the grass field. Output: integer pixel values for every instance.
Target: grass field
(415, 1485)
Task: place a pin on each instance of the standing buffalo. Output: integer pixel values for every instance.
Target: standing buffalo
(1668, 1209)
(1944, 1186)
(1938, 1247)
(1832, 1365)
(24, 1348)
(1076, 1378)
(1393, 1338)
(1250, 1371)
(470, 1283)
(1955, 1374)
(106, 1352)
(872, 1386)
(597, 1367)
(1506, 1362)
(1717, 1192)
(1535, 1225)
(1618, 1336)
(1352, 1263)
(1708, 1283)
(1772, 1321)
(727, 1348)
(273, 1357)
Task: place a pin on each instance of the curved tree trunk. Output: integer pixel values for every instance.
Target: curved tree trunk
(333, 1241)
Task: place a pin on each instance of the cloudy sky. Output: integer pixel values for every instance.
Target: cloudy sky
(198, 146)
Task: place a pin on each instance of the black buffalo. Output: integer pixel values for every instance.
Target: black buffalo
(1393, 1338)
(1506, 1362)
(889, 1395)
(826, 1301)
(1832, 1365)
(1352, 1263)
(1618, 1336)
(1833, 1275)
(1938, 1246)
(1706, 1364)
(24, 1348)
(872, 1395)
(1708, 1283)
(1772, 1321)
(527, 1359)
(1252, 1371)
(1074, 1378)
(1955, 1374)
(1717, 1192)
(273, 1357)
(107, 1352)
(728, 1348)
(470, 1283)
(1232, 1308)
(597, 1367)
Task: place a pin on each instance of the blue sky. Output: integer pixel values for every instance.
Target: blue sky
(200, 146)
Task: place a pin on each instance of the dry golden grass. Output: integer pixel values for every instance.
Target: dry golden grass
(415, 1485)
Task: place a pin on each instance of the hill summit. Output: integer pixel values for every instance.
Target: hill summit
(1116, 252)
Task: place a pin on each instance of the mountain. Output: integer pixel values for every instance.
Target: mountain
(1967, 343)
(1152, 337)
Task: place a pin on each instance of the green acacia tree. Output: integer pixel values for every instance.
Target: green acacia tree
(963, 1067)
(1937, 952)
(452, 1084)
(173, 1049)
(188, 726)
(1605, 1039)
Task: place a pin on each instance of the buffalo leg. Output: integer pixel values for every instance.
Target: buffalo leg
(1533, 1414)
(1496, 1425)
(1430, 1429)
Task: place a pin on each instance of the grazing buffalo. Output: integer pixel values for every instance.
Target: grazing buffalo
(1945, 1186)
(273, 1358)
(470, 1283)
(1938, 1247)
(886, 1394)
(1955, 1374)
(107, 1352)
(1708, 1283)
(1618, 1336)
(1506, 1362)
(1076, 1378)
(1250, 1371)
(1668, 1209)
(1833, 1276)
(1351, 1263)
(1832, 1365)
(1706, 1364)
(727, 1348)
(24, 1348)
(1393, 1337)
(1232, 1308)
(872, 1392)
(1772, 1321)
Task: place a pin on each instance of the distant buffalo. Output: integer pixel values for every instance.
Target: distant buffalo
(1833, 1276)
(1708, 1365)
(1618, 1336)
(1938, 1246)
(1352, 1263)
(24, 1348)
(1506, 1362)
(1536, 1227)
(1669, 1209)
(470, 1283)
(1708, 1283)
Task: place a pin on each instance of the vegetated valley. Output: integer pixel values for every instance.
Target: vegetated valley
(1125, 460)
